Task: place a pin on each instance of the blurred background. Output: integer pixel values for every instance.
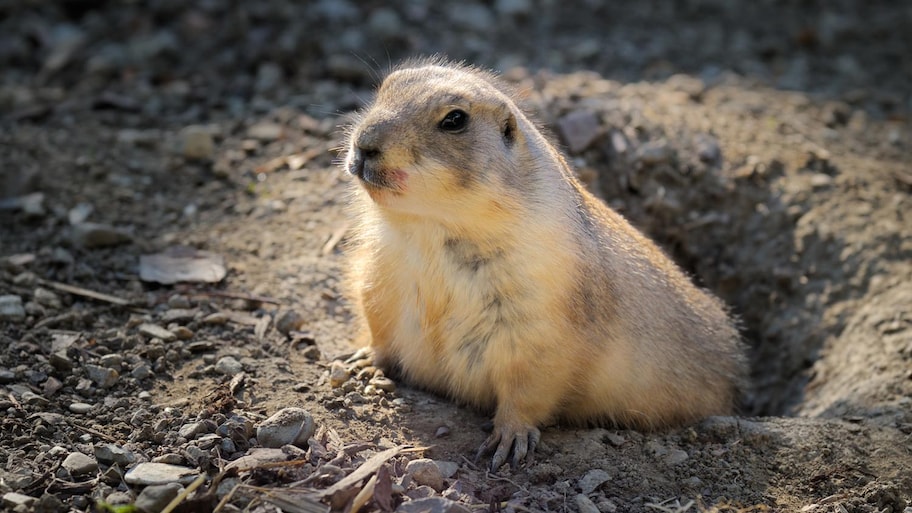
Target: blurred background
(219, 54)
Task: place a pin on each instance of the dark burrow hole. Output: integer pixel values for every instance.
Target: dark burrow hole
(734, 232)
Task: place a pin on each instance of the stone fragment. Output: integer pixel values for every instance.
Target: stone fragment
(585, 505)
(101, 376)
(155, 331)
(78, 464)
(196, 143)
(228, 366)
(14, 500)
(338, 374)
(288, 426)
(288, 321)
(11, 309)
(112, 453)
(578, 129)
(383, 383)
(654, 152)
(592, 480)
(80, 408)
(154, 498)
(148, 473)
(425, 471)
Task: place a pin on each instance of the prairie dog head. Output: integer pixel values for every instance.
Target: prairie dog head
(440, 141)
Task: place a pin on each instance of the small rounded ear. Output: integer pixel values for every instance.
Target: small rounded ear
(508, 129)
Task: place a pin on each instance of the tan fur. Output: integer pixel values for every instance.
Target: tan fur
(486, 272)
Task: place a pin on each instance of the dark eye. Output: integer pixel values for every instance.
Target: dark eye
(455, 121)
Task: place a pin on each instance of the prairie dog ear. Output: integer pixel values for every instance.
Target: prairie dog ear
(508, 129)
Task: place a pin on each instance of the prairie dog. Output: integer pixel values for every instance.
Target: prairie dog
(486, 272)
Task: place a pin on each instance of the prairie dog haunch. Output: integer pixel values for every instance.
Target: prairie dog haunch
(483, 270)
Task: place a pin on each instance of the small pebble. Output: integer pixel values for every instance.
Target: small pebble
(288, 321)
(585, 504)
(578, 129)
(148, 473)
(80, 408)
(228, 366)
(112, 453)
(676, 456)
(338, 374)
(288, 426)
(383, 383)
(78, 464)
(196, 143)
(592, 480)
(101, 376)
(11, 309)
(156, 331)
(154, 498)
(425, 471)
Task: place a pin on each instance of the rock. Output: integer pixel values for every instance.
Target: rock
(338, 374)
(101, 376)
(111, 453)
(80, 408)
(7, 376)
(383, 383)
(51, 386)
(592, 480)
(585, 504)
(11, 309)
(13, 500)
(654, 152)
(676, 457)
(425, 471)
(60, 361)
(196, 143)
(96, 235)
(182, 264)
(189, 431)
(77, 464)
(578, 129)
(80, 213)
(170, 459)
(288, 426)
(256, 457)
(47, 298)
(30, 397)
(141, 371)
(155, 331)
(266, 131)
(111, 361)
(448, 469)
(178, 315)
(32, 205)
(228, 366)
(147, 474)
(288, 321)
(154, 498)
(707, 148)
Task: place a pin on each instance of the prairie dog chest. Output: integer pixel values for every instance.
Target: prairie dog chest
(458, 303)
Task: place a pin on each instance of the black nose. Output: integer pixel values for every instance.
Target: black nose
(359, 157)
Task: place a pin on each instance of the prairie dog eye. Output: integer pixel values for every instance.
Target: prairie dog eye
(455, 121)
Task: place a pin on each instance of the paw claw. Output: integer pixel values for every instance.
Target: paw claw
(520, 442)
